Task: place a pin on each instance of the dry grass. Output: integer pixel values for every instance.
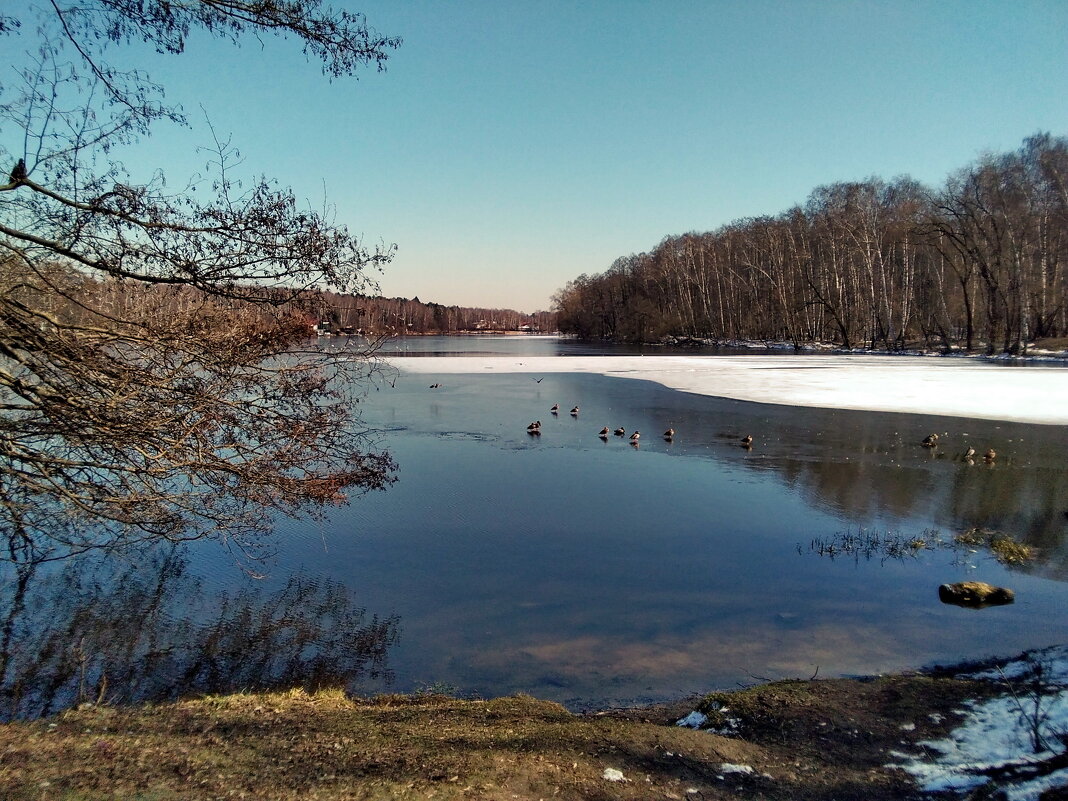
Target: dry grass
(1005, 548)
(815, 740)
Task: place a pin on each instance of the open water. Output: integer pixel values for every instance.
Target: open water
(582, 570)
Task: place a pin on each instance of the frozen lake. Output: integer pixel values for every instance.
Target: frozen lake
(594, 572)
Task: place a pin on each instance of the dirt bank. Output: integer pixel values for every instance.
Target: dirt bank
(818, 739)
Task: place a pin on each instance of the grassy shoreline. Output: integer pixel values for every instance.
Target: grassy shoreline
(816, 739)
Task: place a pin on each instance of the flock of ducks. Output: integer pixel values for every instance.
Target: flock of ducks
(535, 429)
(931, 441)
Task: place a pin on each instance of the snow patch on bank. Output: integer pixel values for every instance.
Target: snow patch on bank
(694, 720)
(952, 387)
(996, 742)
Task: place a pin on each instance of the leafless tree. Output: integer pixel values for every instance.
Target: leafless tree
(876, 263)
(153, 381)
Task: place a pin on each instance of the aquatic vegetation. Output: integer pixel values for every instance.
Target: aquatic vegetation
(867, 545)
(1005, 548)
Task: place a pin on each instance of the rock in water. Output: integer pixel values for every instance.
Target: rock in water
(975, 594)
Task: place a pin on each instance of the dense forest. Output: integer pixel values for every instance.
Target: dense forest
(978, 264)
(377, 316)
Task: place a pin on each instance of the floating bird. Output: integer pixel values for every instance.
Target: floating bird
(555, 408)
(575, 411)
(990, 455)
(669, 433)
(603, 433)
(968, 454)
(747, 440)
(635, 436)
(619, 432)
(930, 441)
(535, 426)
(435, 386)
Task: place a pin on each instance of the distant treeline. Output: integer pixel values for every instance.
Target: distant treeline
(298, 314)
(981, 263)
(348, 314)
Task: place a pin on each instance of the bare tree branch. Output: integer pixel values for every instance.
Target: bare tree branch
(153, 380)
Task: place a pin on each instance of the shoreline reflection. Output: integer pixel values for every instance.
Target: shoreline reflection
(132, 628)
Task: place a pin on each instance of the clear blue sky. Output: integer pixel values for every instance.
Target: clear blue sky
(511, 146)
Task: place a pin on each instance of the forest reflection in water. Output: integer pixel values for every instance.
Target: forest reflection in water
(864, 465)
(139, 627)
(596, 572)
(588, 571)
(1022, 493)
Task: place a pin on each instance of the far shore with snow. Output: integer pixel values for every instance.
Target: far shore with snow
(951, 387)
